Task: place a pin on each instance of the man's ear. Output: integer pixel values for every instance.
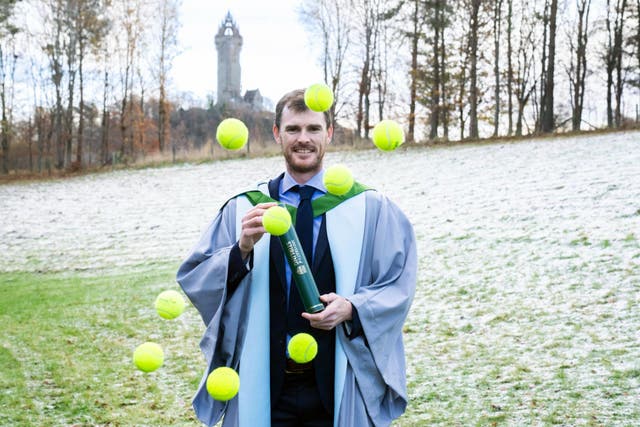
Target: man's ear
(276, 133)
(330, 133)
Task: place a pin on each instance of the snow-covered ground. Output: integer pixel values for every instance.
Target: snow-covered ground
(527, 302)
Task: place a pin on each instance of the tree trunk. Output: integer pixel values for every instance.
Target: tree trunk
(618, 52)
(543, 65)
(80, 143)
(436, 78)
(510, 66)
(581, 63)
(444, 109)
(547, 119)
(168, 29)
(104, 145)
(497, 29)
(364, 88)
(462, 82)
(638, 42)
(415, 36)
(4, 128)
(473, 70)
(54, 51)
(610, 65)
(71, 80)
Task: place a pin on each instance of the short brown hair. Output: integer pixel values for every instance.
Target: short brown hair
(295, 101)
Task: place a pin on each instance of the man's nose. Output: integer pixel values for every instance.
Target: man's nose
(305, 136)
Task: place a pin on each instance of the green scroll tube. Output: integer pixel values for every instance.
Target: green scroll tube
(301, 272)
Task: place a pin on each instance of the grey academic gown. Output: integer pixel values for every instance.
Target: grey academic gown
(370, 380)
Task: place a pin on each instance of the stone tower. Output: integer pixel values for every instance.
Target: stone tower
(228, 45)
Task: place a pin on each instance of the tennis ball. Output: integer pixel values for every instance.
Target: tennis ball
(232, 134)
(223, 383)
(388, 135)
(169, 304)
(338, 179)
(276, 220)
(318, 97)
(302, 348)
(148, 357)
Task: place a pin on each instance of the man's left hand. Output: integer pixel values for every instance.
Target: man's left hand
(338, 310)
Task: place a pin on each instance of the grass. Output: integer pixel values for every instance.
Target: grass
(65, 358)
(66, 348)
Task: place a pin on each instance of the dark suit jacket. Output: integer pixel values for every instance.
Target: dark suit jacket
(322, 269)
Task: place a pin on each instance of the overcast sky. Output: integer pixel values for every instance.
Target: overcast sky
(275, 56)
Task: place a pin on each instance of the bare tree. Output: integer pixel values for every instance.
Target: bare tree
(53, 47)
(618, 52)
(414, 38)
(460, 78)
(90, 27)
(328, 21)
(636, 42)
(578, 63)
(474, 26)
(437, 12)
(497, 33)
(509, 66)
(445, 107)
(381, 68)
(613, 60)
(168, 30)
(524, 87)
(637, 37)
(70, 47)
(105, 122)
(547, 119)
(367, 13)
(8, 59)
(130, 28)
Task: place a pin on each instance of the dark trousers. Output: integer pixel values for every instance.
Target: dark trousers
(299, 403)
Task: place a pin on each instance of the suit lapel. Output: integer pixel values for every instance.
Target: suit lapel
(275, 249)
(321, 246)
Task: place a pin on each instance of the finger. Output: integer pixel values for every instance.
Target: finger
(259, 209)
(266, 205)
(328, 298)
(315, 317)
(253, 223)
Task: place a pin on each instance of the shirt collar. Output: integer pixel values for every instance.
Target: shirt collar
(316, 182)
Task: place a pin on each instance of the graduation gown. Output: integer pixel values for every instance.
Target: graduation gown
(374, 253)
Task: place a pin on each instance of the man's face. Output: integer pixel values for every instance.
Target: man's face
(303, 137)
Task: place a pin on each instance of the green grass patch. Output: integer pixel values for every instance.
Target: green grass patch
(67, 343)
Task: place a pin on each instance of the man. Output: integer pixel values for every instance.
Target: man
(363, 257)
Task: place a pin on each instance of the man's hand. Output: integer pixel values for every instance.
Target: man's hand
(252, 229)
(338, 310)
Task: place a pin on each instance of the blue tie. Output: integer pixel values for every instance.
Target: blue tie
(304, 221)
(304, 229)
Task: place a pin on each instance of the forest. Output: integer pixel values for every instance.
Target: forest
(86, 85)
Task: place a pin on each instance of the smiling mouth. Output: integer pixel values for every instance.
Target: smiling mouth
(303, 150)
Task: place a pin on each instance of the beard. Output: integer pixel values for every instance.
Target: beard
(306, 165)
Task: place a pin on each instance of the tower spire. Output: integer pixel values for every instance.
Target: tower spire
(228, 44)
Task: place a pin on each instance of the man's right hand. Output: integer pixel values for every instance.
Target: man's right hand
(252, 229)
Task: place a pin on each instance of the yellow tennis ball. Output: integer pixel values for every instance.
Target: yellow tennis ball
(232, 134)
(148, 357)
(302, 348)
(223, 383)
(276, 220)
(318, 97)
(388, 135)
(169, 304)
(338, 179)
